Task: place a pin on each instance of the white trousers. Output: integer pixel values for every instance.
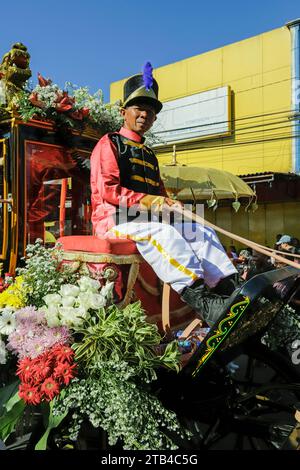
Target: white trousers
(180, 253)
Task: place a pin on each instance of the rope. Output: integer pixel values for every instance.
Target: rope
(255, 246)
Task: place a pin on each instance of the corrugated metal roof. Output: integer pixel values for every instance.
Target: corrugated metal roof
(267, 176)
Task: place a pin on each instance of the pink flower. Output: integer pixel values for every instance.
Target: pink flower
(33, 338)
(23, 315)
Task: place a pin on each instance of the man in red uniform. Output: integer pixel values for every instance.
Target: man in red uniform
(125, 174)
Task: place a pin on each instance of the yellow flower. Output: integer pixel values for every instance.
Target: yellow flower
(14, 295)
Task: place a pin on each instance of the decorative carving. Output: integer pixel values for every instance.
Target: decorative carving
(222, 331)
(14, 72)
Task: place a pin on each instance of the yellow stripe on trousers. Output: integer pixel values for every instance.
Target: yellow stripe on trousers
(158, 246)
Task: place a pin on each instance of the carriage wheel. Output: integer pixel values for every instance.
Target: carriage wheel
(263, 412)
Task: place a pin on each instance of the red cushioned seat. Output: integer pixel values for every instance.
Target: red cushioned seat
(89, 243)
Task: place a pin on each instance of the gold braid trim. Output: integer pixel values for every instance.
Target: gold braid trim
(101, 257)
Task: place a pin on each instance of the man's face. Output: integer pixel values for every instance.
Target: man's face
(138, 117)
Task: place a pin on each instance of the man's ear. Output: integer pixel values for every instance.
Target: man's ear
(122, 112)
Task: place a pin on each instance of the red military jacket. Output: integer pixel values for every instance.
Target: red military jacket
(120, 177)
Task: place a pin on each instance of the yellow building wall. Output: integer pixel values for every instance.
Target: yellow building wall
(258, 70)
(260, 226)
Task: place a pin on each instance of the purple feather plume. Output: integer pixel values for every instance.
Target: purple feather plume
(147, 75)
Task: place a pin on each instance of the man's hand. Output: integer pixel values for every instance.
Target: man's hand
(158, 202)
(172, 202)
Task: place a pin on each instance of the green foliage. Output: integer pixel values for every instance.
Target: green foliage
(103, 116)
(125, 409)
(10, 419)
(287, 322)
(6, 393)
(123, 335)
(53, 422)
(117, 350)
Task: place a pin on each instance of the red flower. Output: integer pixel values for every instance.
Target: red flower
(64, 102)
(33, 98)
(77, 114)
(50, 388)
(25, 370)
(43, 81)
(64, 372)
(29, 394)
(62, 108)
(63, 353)
(42, 368)
(85, 112)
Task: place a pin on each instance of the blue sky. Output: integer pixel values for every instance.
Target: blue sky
(95, 42)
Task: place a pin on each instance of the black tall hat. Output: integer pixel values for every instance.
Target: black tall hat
(142, 88)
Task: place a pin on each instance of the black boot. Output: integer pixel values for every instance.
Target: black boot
(226, 286)
(208, 305)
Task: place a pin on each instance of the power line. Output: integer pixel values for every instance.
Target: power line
(221, 97)
(231, 121)
(234, 144)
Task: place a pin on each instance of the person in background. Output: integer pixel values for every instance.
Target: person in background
(295, 242)
(233, 251)
(259, 263)
(243, 262)
(290, 246)
(278, 237)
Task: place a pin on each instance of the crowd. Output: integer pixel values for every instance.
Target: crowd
(250, 262)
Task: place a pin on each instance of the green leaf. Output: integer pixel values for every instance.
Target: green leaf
(10, 419)
(6, 393)
(53, 422)
(12, 401)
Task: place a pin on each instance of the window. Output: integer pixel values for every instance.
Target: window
(57, 192)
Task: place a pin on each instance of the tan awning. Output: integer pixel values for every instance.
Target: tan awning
(204, 183)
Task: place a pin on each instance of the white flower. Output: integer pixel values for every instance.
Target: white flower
(3, 352)
(82, 312)
(51, 315)
(91, 300)
(52, 299)
(87, 284)
(80, 315)
(107, 290)
(68, 301)
(67, 290)
(7, 322)
(72, 316)
(67, 316)
(53, 320)
(97, 301)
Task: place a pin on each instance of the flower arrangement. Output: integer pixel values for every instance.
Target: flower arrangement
(73, 107)
(79, 358)
(288, 323)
